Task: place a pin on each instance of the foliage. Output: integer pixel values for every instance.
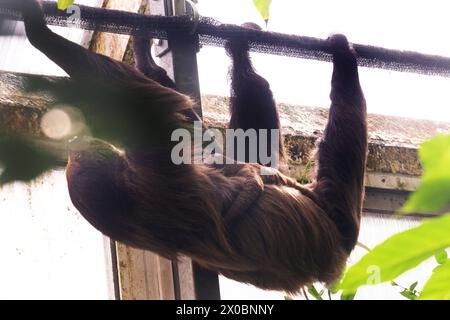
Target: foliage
(408, 249)
(399, 254)
(438, 286)
(441, 257)
(64, 4)
(434, 192)
(21, 160)
(263, 7)
(409, 293)
(315, 293)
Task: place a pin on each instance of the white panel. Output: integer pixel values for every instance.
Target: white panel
(48, 250)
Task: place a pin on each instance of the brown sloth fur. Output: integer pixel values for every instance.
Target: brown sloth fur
(252, 105)
(266, 230)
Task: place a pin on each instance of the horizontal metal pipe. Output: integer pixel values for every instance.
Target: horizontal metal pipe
(211, 32)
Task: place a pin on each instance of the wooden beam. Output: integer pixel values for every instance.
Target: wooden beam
(114, 45)
(144, 275)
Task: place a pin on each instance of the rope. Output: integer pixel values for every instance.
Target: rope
(213, 33)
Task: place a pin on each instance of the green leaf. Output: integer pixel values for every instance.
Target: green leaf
(408, 294)
(434, 151)
(398, 254)
(333, 290)
(313, 291)
(433, 193)
(288, 298)
(441, 257)
(21, 160)
(263, 6)
(438, 286)
(413, 286)
(64, 4)
(348, 295)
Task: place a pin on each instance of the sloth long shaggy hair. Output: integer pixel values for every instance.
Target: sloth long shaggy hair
(266, 230)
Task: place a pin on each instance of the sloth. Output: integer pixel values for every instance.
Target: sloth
(267, 230)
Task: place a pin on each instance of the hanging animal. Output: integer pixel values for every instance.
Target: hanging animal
(265, 230)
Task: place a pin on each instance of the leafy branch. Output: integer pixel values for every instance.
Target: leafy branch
(406, 250)
(22, 160)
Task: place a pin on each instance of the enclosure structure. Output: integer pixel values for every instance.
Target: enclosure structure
(393, 167)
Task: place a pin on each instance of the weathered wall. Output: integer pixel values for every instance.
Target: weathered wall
(392, 147)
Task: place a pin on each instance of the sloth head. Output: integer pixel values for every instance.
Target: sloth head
(95, 180)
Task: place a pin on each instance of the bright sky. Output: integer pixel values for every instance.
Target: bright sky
(401, 24)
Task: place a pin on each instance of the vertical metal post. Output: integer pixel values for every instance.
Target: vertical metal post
(178, 56)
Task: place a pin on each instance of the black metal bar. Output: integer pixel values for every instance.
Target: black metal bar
(206, 283)
(211, 32)
(114, 269)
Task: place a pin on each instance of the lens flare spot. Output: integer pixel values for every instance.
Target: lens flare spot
(56, 124)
